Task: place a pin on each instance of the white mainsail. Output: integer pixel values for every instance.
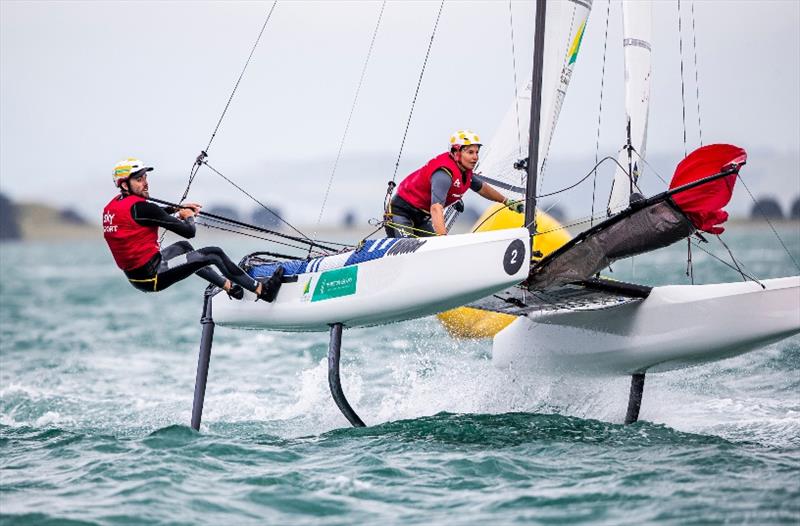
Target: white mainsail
(565, 26)
(637, 21)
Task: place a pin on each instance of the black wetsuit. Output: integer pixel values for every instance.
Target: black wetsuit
(162, 270)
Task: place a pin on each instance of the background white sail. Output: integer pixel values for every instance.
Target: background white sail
(565, 25)
(637, 21)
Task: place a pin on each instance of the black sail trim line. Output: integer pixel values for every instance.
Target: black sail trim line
(504, 186)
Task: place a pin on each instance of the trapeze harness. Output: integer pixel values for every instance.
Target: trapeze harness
(130, 227)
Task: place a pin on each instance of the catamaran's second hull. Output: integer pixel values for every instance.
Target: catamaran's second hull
(676, 326)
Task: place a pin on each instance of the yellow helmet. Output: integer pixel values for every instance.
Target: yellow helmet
(464, 138)
(126, 168)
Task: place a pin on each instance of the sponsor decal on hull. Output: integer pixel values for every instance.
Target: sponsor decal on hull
(336, 283)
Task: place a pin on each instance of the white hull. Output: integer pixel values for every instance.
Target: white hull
(676, 326)
(429, 276)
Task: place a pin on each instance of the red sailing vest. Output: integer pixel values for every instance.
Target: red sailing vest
(131, 244)
(416, 188)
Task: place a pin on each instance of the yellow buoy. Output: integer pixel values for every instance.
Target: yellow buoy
(466, 322)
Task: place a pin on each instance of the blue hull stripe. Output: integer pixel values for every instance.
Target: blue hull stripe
(372, 249)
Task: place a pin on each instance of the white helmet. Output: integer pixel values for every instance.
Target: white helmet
(464, 138)
(126, 168)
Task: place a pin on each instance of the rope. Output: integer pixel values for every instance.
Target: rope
(416, 92)
(696, 77)
(398, 226)
(352, 109)
(683, 88)
(600, 109)
(570, 187)
(240, 229)
(285, 256)
(262, 205)
(204, 153)
(733, 259)
(372, 222)
(766, 218)
(514, 70)
(651, 167)
(248, 226)
(582, 179)
(748, 276)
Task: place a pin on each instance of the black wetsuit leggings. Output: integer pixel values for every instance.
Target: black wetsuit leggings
(197, 262)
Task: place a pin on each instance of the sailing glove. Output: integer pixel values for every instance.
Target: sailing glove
(516, 206)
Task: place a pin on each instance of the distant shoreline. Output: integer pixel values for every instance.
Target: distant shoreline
(40, 222)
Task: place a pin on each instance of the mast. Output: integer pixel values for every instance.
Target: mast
(536, 110)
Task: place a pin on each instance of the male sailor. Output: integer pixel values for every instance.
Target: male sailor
(130, 227)
(417, 209)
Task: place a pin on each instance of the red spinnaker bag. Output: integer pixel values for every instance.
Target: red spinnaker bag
(703, 204)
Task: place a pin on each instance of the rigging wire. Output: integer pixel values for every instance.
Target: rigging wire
(696, 77)
(416, 93)
(200, 160)
(650, 166)
(247, 63)
(284, 256)
(683, 87)
(600, 110)
(514, 71)
(204, 153)
(733, 259)
(352, 109)
(304, 241)
(582, 179)
(566, 188)
(736, 268)
(766, 218)
(238, 229)
(262, 205)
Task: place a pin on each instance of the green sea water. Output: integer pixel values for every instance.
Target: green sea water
(96, 383)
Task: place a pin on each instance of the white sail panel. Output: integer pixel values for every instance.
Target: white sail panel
(637, 21)
(565, 25)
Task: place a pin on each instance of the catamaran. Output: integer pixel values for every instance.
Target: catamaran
(563, 314)
(565, 317)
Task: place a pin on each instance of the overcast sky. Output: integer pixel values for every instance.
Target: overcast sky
(84, 84)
